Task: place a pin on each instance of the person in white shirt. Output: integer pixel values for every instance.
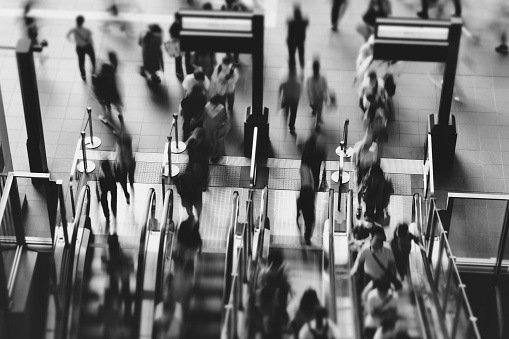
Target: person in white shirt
(197, 78)
(376, 257)
(320, 327)
(223, 82)
(84, 45)
(381, 304)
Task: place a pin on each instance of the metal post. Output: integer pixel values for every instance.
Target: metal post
(451, 63)
(177, 146)
(85, 166)
(258, 55)
(91, 141)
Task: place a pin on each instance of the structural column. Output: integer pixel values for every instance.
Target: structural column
(28, 82)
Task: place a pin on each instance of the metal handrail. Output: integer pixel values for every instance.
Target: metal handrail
(83, 201)
(432, 222)
(234, 217)
(167, 222)
(358, 325)
(429, 174)
(252, 168)
(142, 254)
(332, 268)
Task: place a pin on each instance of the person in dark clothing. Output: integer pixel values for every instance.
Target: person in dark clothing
(119, 267)
(125, 163)
(313, 155)
(190, 192)
(84, 45)
(296, 35)
(107, 184)
(199, 154)
(377, 191)
(193, 106)
(174, 31)
(401, 246)
(338, 9)
(306, 311)
(289, 93)
(306, 202)
(106, 88)
(151, 43)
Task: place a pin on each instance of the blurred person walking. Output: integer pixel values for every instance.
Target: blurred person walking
(198, 78)
(306, 201)
(107, 183)
(232, 5)
(318, 93)
(376, 260)
(320, 327)
(106, 88)
(199, 154)
(376, 9)
(337, 12)
(206, 61)
(296, 37)
(381, 303)
(364, 156)
(223, 82)
(401, 246)
(174, 31)
(168, 314)
(190, 192)
(276, 276)
(377, 193)
(119, 269)
(306, 311)
(502, 24)
(313, 155)
(289, 95)
(216, 124)
(151, 42)
(192, 110)
(84, 45)
(125, 163)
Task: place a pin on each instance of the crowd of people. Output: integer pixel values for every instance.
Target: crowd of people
(380, 268)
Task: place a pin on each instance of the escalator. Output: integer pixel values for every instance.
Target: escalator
(203, 311)
(417, 302)
(103, 283)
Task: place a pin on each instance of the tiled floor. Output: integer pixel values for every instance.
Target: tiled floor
(482, 153)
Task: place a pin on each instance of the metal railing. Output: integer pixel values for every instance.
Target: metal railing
(252, 168)
(452, 299)
(166, 243)
(230, 254)
(148, 220)
(244, 273)
(70, 316)
(332, 268)
(357, 316)
(428, 169)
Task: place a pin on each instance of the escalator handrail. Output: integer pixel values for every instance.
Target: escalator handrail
(332, 268)
(83, 204)
(358, 325)
(260, 226)
(142, 255)
(167, 221)
(234, 218)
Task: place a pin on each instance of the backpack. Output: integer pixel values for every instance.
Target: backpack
(316, 335)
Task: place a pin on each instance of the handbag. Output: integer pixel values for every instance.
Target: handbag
(394, 280)
(172, 47)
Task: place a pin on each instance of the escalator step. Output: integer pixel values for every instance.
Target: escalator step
(207, 304)
(204, 331)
